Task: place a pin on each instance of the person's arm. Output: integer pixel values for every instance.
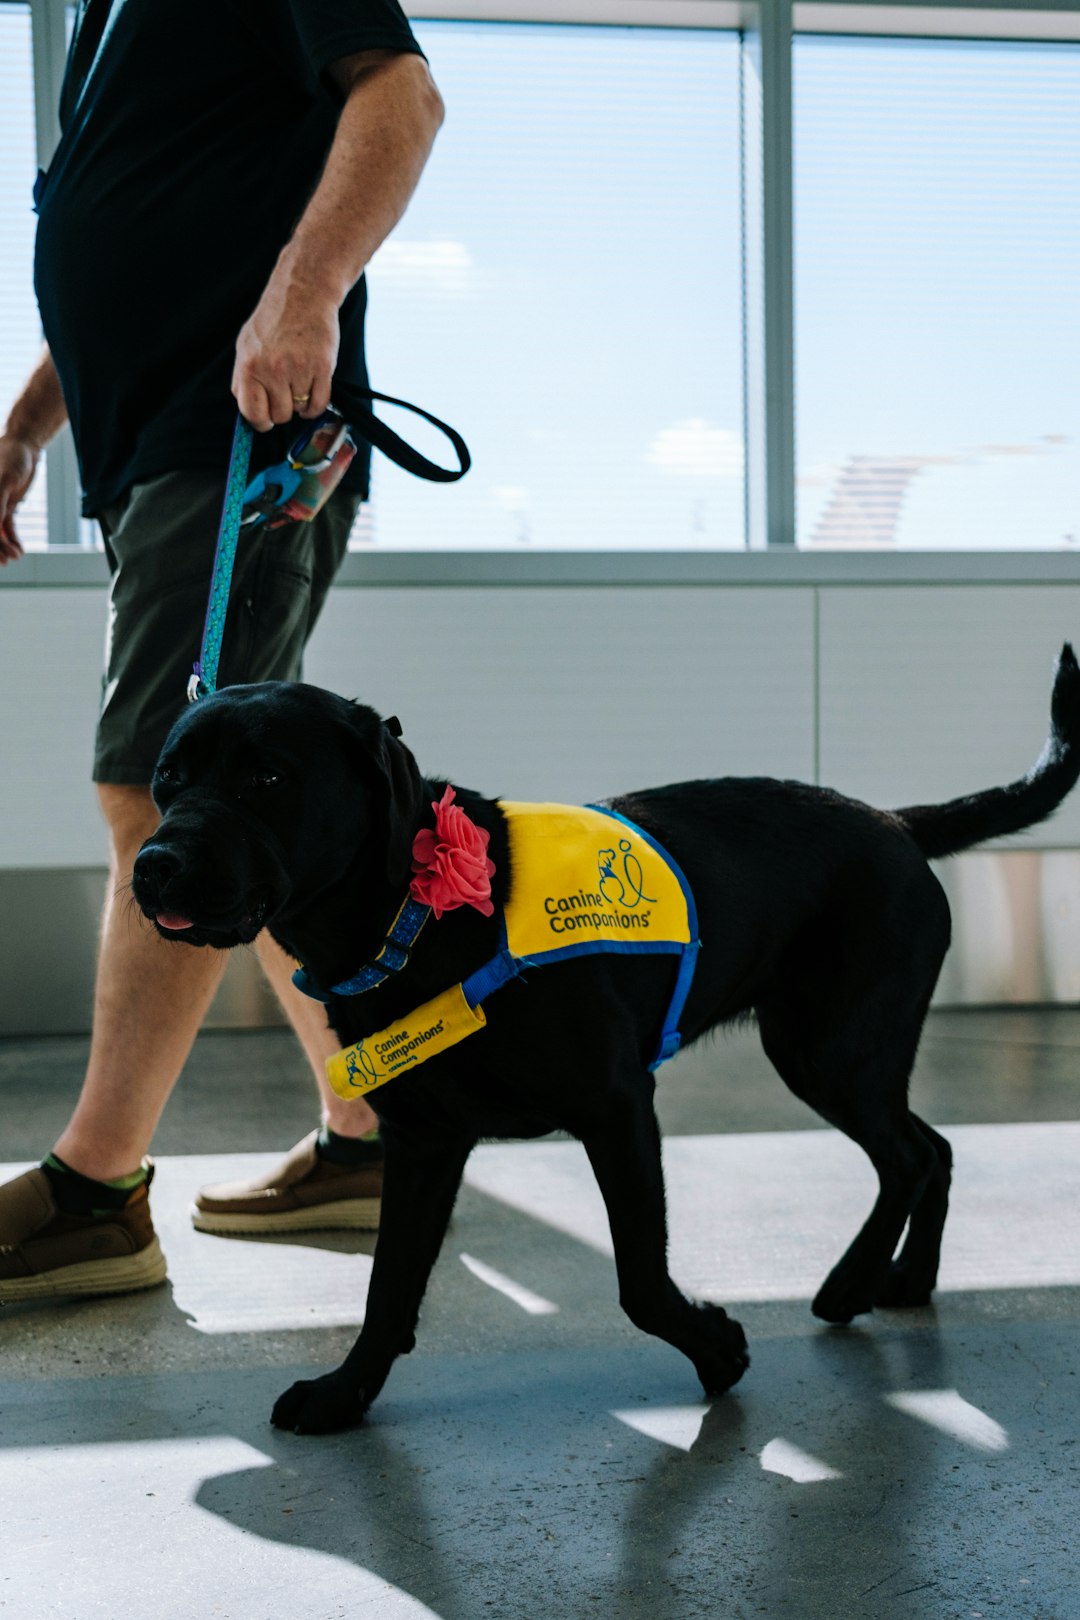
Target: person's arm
(36, 416)
(287, 351)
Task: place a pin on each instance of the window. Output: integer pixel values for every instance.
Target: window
(565, 288)
(578, 286)
(937, 343)
(20, 330)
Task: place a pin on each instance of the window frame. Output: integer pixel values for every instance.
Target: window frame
(767, 29)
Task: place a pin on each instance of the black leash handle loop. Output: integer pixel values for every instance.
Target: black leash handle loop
(348, 399)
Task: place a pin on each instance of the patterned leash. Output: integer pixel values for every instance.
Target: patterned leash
(352, 403)
(203, 679)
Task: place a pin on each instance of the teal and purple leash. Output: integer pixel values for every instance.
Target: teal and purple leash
(203, 678)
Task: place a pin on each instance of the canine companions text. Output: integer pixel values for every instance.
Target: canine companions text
(286, 807)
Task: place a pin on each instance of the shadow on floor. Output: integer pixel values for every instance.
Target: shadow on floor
(594, 1484)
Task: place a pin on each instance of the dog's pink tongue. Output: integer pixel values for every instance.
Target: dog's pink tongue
(173, 920)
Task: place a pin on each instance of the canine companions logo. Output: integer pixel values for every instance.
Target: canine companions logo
(393, 1049)
(617, 904)
(359, 1067)
(627, 890)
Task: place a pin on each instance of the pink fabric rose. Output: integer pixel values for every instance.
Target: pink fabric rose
(450, 862)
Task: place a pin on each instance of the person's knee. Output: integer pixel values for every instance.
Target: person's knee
(131, 817)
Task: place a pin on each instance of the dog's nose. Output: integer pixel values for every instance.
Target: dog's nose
(154, 866)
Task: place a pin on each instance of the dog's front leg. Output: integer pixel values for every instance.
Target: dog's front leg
(420, 1184)
(624, 1151)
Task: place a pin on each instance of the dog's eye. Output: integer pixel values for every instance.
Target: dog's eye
(166, 773)
(265, 779)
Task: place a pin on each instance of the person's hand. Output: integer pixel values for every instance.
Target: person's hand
(286, 354)
(18, 463)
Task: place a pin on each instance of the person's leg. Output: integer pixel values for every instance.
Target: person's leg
(160, 543)
(150, 999)
(308, 1019)
(62, 1229)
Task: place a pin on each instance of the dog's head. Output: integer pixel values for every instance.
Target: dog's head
(268, 794)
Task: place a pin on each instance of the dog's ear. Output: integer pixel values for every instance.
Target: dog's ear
(405, 798)
(398, 784)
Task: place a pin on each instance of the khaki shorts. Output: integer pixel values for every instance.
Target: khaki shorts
(160, 539)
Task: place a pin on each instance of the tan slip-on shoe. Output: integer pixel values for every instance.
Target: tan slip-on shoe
(304, 1193)
(47, 1254)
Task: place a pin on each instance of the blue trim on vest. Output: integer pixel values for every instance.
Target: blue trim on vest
(503, 967)
(670, 1035)
(604, 947)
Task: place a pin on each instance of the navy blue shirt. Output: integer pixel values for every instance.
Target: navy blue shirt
(199, 136)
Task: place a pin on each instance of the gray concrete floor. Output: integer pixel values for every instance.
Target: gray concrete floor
(536, 1456)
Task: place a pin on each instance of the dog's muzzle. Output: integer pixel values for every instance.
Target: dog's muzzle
(210, 875)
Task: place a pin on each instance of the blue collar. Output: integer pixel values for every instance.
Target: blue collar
(392, 957)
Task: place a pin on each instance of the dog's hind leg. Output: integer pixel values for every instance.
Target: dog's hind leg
(865, 1096)
(624, 1151)
(913, 1274)
(421, 1182)
(905, 1163)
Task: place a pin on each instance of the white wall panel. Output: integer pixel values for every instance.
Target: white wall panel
(925, 692)
(575, 693)
(564, 692)
(50, 686)
(932, 692)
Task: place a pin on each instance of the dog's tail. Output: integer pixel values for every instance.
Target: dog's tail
(946, 829)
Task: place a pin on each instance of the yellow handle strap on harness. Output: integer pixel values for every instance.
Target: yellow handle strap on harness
(432, 1028)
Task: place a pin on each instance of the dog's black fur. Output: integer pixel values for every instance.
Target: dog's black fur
(287, 806)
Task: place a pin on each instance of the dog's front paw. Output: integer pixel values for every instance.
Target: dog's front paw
(319, 1406)
(723, 1358)
(842, 1297)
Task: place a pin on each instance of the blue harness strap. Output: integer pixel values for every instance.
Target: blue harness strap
(501, 968)
(670, 1035)
(203, 679)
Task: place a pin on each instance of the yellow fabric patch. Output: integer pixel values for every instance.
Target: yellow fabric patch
(432, 1028)
(580, 877)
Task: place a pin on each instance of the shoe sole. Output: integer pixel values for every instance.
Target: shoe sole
(125, 1275)
(346, 1215)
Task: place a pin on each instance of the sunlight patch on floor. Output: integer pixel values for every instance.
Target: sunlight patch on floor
(946, 1409)
(677, 1426)
(781, 1457)
(534, 1304)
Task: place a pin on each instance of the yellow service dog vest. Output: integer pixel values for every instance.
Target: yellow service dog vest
(584, 880)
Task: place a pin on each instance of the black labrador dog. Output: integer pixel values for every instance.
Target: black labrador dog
(287, 807)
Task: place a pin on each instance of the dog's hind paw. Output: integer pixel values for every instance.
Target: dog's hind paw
(319, 1406)
(722, 1362)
